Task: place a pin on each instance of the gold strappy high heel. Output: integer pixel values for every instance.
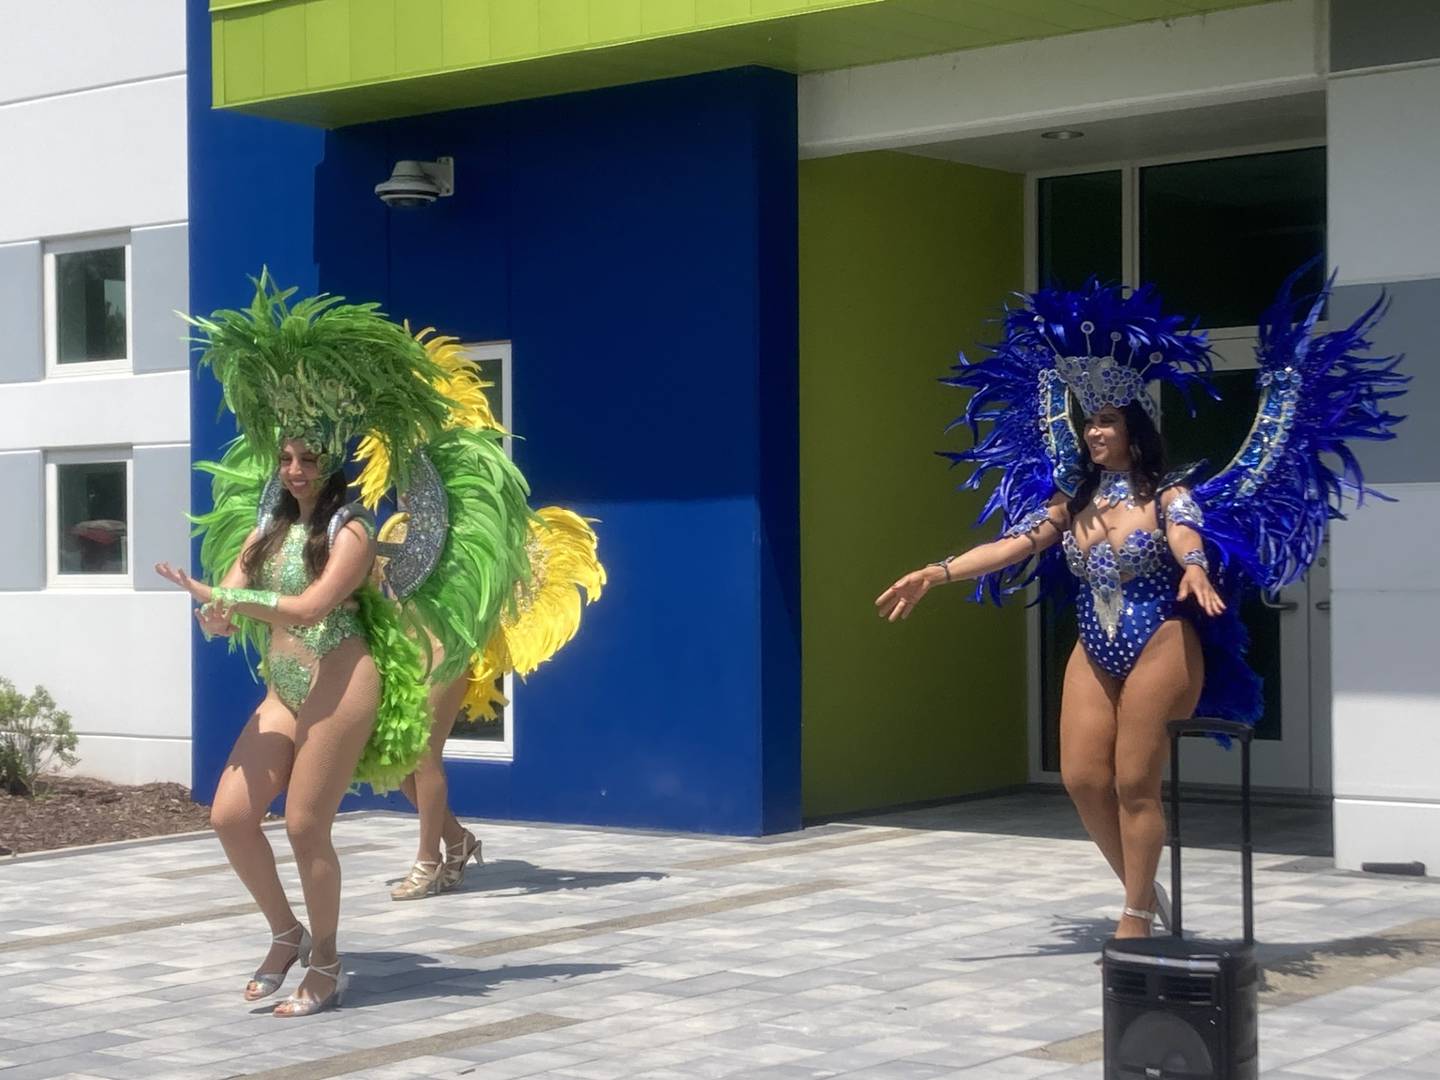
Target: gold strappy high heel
(455, 862)
(424, 878)
(295, 1005)
(265, 983)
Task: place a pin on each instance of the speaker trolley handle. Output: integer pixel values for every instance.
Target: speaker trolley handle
(1245, 734)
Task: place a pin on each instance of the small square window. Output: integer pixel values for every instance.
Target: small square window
(90, 308)
(87, 306)
(90, 519)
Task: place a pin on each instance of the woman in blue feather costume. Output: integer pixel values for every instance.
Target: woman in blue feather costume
(1155, 561)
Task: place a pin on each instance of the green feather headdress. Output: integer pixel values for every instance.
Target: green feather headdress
(323, 371)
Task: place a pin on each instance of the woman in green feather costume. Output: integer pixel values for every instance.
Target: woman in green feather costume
(287, 572)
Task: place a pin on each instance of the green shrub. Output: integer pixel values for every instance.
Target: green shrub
(34, 735)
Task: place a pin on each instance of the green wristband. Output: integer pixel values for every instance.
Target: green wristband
(258, 597)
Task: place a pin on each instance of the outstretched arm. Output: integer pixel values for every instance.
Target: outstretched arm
(900, 599)
(345, 571)
(1182, 514)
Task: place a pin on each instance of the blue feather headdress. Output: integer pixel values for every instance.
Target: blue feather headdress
(1101, 345)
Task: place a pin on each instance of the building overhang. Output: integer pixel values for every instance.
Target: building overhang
(336, 62)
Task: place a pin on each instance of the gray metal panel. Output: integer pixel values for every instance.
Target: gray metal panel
(1372, 33)
(22, 346)
(160, 267)
(1414, 456)
(22, 541)
(160, 531)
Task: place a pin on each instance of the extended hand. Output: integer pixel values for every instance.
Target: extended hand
(1196, 584)
(199, 590)
(214, 619)
(899, 600)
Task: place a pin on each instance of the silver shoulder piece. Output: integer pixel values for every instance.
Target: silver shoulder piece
(1185, 510)
(346, 514)
(410, 562)
(269, 500)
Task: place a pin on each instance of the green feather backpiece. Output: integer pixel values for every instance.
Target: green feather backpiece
(485, 552)
(402, 724)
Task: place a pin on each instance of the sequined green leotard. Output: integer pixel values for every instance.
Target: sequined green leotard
(295, 652)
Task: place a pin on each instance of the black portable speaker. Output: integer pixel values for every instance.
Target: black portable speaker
(1178, 1009)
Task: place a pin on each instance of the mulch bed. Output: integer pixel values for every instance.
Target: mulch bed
(76, 810)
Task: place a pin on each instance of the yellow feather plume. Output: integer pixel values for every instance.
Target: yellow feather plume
(564, 567)
(469, 407)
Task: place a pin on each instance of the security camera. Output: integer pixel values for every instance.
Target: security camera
(418, 183)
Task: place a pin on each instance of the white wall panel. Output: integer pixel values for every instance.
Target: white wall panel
(131, 760)
(55, 46)
(117, 661)
(1384, 171)
(100, 410)
(1386, 712)
(95, 161)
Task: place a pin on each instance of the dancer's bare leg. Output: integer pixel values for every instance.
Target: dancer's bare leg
(1087, 752)
(426, 787)
(1164, 685)
(334, 724)
(258, 770)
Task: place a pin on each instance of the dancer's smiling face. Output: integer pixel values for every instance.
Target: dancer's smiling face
(300, 470)
(1107, 438)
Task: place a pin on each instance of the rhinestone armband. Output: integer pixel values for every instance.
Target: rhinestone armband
(258, 597)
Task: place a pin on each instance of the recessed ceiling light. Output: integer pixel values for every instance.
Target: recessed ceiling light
(1062, 134)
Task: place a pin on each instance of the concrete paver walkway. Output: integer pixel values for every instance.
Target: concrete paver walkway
(953, 942)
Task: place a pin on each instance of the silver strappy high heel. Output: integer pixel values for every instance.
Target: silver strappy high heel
(295, 1005)
(424, 879)
(265, 983)
(454, 870)
(1162, 907)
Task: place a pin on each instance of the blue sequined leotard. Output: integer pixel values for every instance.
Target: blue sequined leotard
(1129, 591)
(295, 652)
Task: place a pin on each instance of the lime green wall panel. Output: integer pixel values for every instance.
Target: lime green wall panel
(623, 20)
(419, 30)
(514, 28)
(372, 40)
(902, 259)
(719, 12)
(284, 45)
(244, 45)
(476, 52)
(467, 34)
(565, 25)
(327, 42)
(667, 16)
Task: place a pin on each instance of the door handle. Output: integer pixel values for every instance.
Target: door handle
(1279, 605)
(1322, 605)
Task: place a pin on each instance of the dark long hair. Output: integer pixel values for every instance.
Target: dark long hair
(1147, 457)
(317, 549)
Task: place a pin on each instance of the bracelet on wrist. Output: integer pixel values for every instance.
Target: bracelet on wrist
(258, 597)
(1197, 558)
(944, 565)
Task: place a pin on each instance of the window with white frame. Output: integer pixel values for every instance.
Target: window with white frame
(474, 737)
(88, 507)
(88, 305)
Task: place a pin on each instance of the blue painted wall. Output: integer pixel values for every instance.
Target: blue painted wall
(638, 247)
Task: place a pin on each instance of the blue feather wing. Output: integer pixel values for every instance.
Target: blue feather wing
(1267, 511)
(1029, 439)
